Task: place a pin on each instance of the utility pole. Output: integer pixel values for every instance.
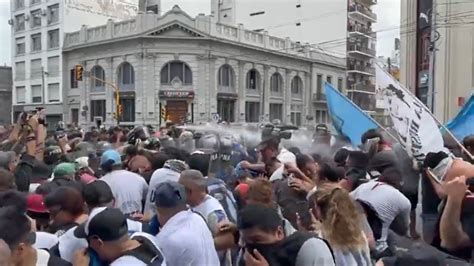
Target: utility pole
(432, 48)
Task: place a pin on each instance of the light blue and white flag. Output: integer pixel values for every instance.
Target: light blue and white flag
(348, 119)
(463, 124)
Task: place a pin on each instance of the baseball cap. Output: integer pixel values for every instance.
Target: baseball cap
(82, 162)
(169, 194)
(35, 203)
(111, 155)
(96, 193)
(108, 224)
(176, 165)
(6, 157)
(64, 169)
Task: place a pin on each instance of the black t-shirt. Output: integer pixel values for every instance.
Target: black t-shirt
(429, 198)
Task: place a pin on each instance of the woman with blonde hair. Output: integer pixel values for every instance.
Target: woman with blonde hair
(341, 225)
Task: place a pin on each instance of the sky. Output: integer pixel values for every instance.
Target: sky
(388, 12)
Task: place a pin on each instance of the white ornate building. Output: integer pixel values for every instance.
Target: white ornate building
(196, 68)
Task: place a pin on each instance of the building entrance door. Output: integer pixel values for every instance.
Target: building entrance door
(176, 111)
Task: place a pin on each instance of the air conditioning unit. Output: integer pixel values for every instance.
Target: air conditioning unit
(27, 17)
(44, 12)
(10, 22)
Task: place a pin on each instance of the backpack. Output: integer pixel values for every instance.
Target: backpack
(148, 252)
(218, 189)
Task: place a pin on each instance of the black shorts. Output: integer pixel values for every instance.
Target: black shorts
(413, 198)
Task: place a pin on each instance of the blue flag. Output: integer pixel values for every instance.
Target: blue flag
(463, 124)
(348, 119)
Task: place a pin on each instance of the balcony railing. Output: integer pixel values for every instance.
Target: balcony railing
(362, 9)
(365, 69)
(361, 29)
(365, 50)
(319, 97)
(363, 86)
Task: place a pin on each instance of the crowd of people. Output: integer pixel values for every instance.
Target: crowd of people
(176, 197)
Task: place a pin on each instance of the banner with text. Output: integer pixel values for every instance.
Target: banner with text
(417, 129)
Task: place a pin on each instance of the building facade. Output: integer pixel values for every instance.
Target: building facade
(5, 95)
(38, 27)
(361, 53)
(453, 61)
(198, 70)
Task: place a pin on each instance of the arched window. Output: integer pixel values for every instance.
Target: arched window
(97, 72)
(253, 80)
(276, 83)
(178, 71)
(296, 85)
(226, 76)
(126, 76)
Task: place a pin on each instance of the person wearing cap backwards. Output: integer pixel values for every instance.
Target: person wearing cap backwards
(16, 231)
(106, 231)
(96, 194)
(64, 176)
(178, 223)
(129, 189)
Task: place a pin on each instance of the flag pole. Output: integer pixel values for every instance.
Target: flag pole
(429, 111)
(360, 109)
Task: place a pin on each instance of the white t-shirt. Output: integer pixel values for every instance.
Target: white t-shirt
(159, 176)
(212, 211)
(129, 189)
(45, 240)
(197, 249)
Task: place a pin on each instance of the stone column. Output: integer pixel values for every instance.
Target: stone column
(286, 96)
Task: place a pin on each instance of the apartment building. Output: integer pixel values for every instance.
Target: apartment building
(361, 53)
(37, 28)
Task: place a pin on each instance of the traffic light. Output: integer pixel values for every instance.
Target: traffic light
(79, 72)
(163, 113)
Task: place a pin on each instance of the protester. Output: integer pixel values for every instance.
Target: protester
(64, 176)
(261, 192)
(356, 170)
(15, 230)
(170, 172)
(180, 223)
(66, 208)
(208, 207)
(341, 225)
(391, 206)
(106, 232)
(455, 226)
(129, 189)
(7, 180)
(468, 143)
(266, 243)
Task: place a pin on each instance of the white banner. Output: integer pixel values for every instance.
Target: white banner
(417, 129)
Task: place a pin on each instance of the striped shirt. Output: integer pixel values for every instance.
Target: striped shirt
(388, 202)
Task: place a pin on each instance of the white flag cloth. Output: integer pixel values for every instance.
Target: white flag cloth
(417, 129)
